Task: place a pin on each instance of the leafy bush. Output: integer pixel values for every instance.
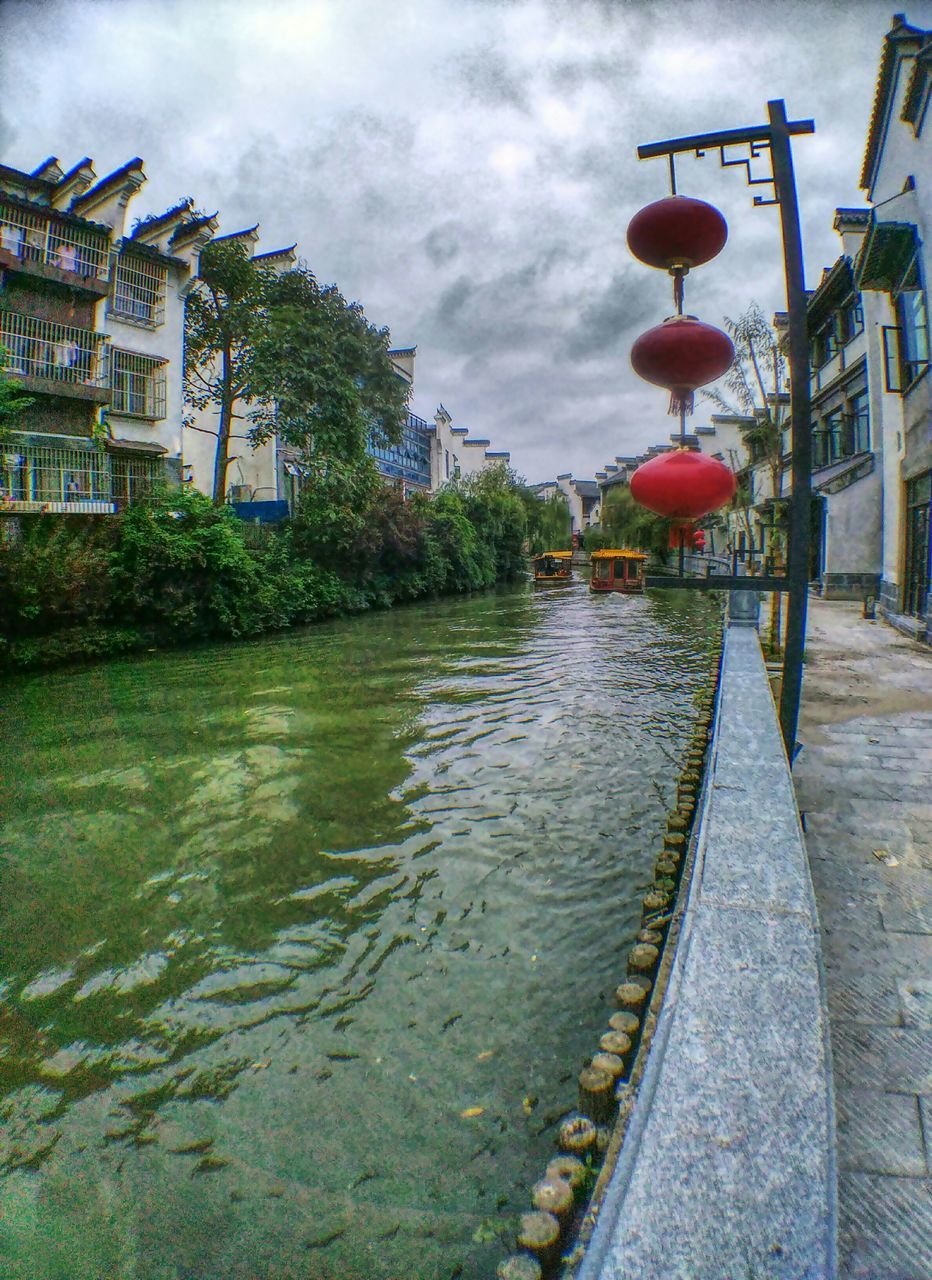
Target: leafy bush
(180, 569)
(56, 575)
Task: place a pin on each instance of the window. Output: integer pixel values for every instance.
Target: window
(139, 289)
(824, 344)
(913, 323)
(859, 420)
(138, 384)
(828, 440)
(850, 321)
(842, 433)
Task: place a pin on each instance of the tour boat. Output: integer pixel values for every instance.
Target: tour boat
(553, 566)
(617, 570)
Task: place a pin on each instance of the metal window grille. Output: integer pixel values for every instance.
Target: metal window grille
(43, 349)
(37, 236)
(72, 475)
(138, 384)
(133, 479)
(53, 473)
(139, 289)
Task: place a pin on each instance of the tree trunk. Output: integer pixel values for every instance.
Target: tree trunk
(221, 460)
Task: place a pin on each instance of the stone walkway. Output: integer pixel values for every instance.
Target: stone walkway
(864, 784)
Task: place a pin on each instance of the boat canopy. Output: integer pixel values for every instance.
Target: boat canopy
(554, 555)
(619, 554)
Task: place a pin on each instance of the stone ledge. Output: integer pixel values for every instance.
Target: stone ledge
(728, 1165)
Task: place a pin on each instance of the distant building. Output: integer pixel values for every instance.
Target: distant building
(582, 497)
(455, 454)
(92, 327)
(407, 463)
(847, 446)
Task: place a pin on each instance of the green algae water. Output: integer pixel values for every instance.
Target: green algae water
(304, 941)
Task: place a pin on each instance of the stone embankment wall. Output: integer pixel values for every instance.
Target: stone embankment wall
(728, 1164)
(709, 1106)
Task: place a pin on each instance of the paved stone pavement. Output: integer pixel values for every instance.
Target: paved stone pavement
(864, 785)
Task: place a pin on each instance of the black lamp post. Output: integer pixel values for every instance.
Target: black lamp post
(774, 136)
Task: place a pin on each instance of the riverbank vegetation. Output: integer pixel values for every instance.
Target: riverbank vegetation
(181, 569)
(626, 524)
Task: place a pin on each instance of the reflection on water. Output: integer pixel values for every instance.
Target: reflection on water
(276, 915)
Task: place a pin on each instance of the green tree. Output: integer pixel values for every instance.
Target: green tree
(323, 373)
(224, 316)
(549, 526)
(12, 401)
(757, 389)
(626, 524)
(492, 502)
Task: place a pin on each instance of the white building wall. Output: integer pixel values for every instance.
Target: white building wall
(905, 421)
(453, 452)
(164, 341)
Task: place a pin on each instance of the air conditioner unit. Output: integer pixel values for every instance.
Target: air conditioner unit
(240, 493)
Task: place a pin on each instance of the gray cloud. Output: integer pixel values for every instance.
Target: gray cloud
(466, 168)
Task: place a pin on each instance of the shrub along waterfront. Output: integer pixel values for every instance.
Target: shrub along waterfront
(180, 569)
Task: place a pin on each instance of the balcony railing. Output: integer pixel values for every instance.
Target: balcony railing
(57, 352)
(37, 236)
(70, 475)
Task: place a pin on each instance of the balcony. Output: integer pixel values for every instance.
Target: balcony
(55, 359)
(33, 240)
(72, 476)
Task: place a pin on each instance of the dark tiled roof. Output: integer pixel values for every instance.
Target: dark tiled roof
(912, 103)
(836, 286)
(111, 180)
(193, 225)
(20, 179)
(238, 235)
(885, 255)
(158, 219)
(50, 162)
(275, 253)
(900, 31)
(851, 218)
(140, 250)
(85, 163)
(72, 219)
(586, 488)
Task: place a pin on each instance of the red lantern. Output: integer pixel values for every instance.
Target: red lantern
(682, 354)
(677, 233)
(683, 485)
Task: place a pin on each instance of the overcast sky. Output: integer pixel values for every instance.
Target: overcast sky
(466, 169)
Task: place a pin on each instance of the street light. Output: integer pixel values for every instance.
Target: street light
(775, 138)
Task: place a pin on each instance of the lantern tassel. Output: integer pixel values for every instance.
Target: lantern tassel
(678, 274)
(681, 533)
(681, 402)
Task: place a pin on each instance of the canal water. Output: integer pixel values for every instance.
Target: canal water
(304, 941)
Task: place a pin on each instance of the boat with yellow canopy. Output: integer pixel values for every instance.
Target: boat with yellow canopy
(553, 566)
(617, 569)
